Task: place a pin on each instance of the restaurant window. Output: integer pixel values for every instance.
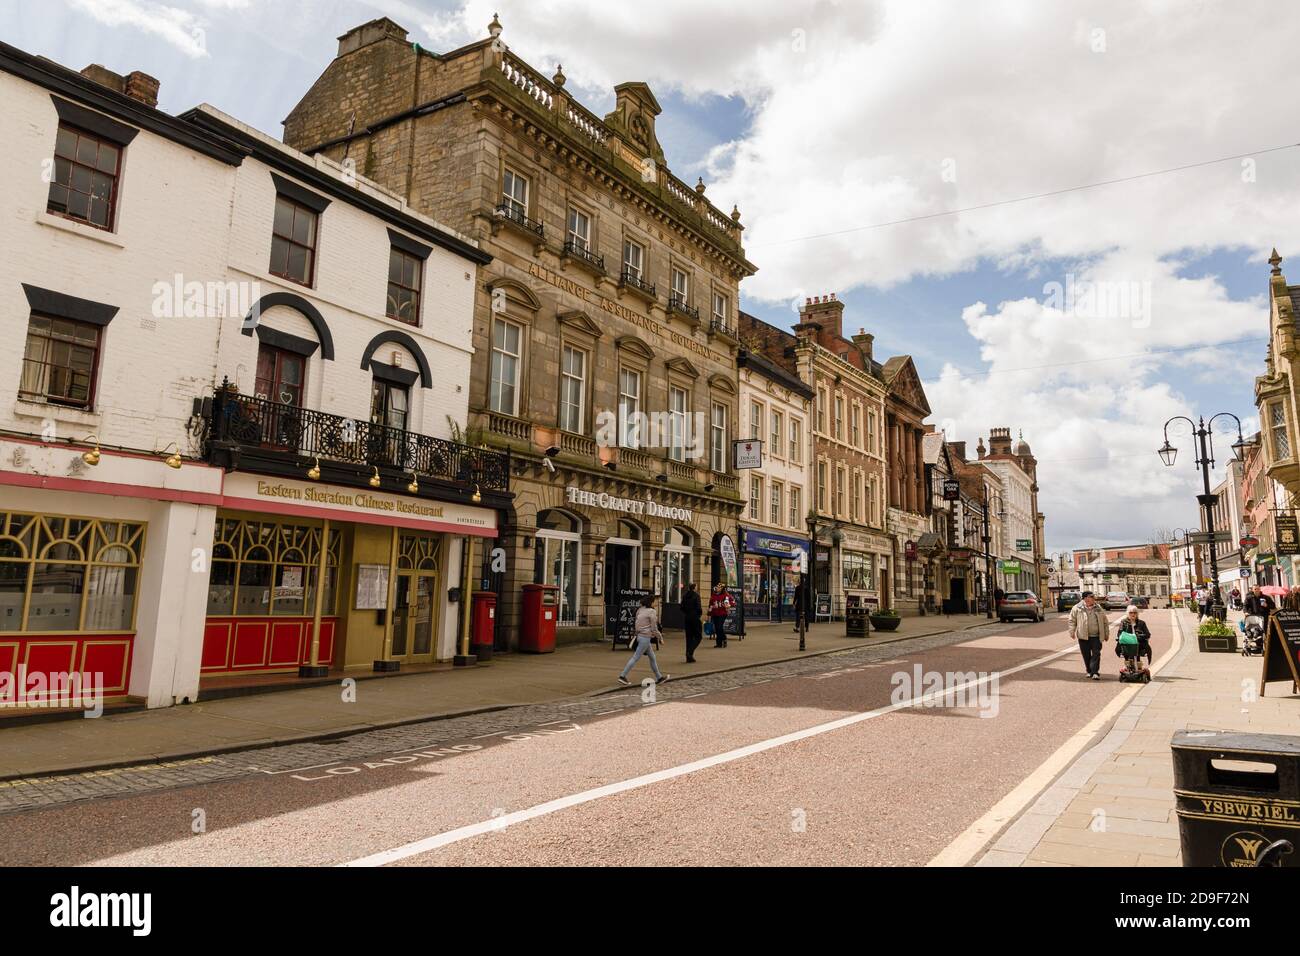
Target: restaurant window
(59, 361)
(573, 387)
(678, 423)
(85, 174)
(404, 286)
(677, 564)
(68, 574)
(857, 571)
(755, 498)
(293, 241)
(579, 230)
(559, 543)
(514, 194)
(507, 345)
(629, 408)
(718, 438)
(265, 568)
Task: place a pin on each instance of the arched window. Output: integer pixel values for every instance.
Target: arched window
(558, 559)
(677, 563)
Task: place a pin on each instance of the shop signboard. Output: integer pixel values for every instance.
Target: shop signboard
(1286, 534)
(747, 453)
(1009, 567)
(1024, 544)
(620, 614)
(823, 608)
(951, 489)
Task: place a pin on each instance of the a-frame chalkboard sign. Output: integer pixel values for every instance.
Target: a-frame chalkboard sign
(1282, 649)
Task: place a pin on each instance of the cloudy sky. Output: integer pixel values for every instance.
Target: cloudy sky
(888, 152)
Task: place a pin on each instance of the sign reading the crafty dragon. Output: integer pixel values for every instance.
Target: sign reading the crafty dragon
(632, 506)
(623, 312)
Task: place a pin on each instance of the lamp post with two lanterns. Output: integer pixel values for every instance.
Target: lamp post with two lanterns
(1203, 432)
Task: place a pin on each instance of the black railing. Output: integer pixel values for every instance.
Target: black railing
(677, 304)
(516, 215)
(719, 324)
(250, 422)
(581, 252)
(635, 281)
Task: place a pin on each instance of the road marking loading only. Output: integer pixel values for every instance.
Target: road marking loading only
(498, 823)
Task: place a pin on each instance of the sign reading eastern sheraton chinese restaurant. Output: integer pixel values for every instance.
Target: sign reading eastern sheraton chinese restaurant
(314, 499)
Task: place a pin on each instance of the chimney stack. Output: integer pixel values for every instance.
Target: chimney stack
(825, 311)
(999, 441)
(863, 340)
(958, 450)
(378, 29)
(137, 85)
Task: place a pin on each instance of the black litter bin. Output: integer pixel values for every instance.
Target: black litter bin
(1238, 798)
(857, 621)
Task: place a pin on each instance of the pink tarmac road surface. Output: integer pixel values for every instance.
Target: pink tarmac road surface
(706, 780)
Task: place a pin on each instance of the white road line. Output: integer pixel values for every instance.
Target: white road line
(496, 824)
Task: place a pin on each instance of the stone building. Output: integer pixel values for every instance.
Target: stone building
(851, 553)
(907, 518)
(1022, 543)
(604, 342)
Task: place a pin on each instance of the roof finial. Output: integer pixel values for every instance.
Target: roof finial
(699, 186)
(494, 28)
(1276, 262)
(559, 77)
(735, 213)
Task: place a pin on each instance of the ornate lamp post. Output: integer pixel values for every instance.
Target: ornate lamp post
(1204, 433)
(1187, 546)
(988, 556)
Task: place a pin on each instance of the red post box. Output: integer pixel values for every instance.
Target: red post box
(541, 609)
(483, 620)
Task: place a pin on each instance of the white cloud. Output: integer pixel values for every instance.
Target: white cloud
(180, 28)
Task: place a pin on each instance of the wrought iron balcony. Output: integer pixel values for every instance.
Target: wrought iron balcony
(679, 305)
(584, 255)
(722, 327)
(266, 428)
(514, 215)
(635, 282)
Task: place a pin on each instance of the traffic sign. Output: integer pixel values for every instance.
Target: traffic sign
(1245, 572)
(1204, 537)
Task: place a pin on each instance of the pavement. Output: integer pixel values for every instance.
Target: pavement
(1113, 803)
(322, 712)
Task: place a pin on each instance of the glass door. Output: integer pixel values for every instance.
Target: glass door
(414, 615)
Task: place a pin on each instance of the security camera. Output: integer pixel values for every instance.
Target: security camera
(552, 451)
(611, 465)
(709, 487)
(550, 465)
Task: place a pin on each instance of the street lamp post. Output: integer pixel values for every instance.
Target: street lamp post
(988, 555)
(1187, 549)
(1205, 461)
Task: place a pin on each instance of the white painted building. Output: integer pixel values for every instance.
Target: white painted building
(776, 409)
(1016, 526)
(224, 342)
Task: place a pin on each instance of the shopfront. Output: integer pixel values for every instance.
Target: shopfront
(771, 575)
(308, 577)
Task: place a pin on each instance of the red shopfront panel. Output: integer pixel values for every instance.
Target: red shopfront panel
(246, 644)
(108, 655)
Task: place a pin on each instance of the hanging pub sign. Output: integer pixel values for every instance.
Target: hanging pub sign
(1249, 541)
(951, 489)
(1281, 649)
(747, 453)
(1286, 534)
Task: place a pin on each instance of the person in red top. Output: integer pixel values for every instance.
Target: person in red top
(720, 604)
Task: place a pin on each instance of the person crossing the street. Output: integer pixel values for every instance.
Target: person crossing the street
(1088, 626)
(646, 634)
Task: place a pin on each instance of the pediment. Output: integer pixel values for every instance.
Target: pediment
(632, 344)
(682, 367)
(906, 385)
(580, 322)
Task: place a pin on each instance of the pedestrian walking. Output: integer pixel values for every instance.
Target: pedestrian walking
(720, 604)
(646, 635)
(692, 614)
(1202, 603)
(1088, 626)
(801, 603)
(1133, 624)
(1236, 599)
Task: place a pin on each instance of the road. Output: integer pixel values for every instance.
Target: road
(840, 759)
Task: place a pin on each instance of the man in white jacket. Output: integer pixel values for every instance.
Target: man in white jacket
(1088, 626)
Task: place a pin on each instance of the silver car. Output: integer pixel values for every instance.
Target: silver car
(1117, 601)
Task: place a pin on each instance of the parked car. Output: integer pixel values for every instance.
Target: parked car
(1020, 604)
(1141, 601)
(1117, 601)
(1068, 599)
